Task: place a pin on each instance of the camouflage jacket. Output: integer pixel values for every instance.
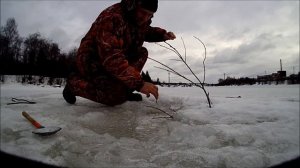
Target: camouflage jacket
(113, 38)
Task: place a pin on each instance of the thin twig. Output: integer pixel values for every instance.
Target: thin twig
(161, 111)
(174, 50)
(165, 69)
(172, 70)
(203, 59)
(204, 69)
(184, 49)
(165, 47)
(175, 60)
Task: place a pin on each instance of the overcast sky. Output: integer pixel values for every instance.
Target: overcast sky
(243, 38)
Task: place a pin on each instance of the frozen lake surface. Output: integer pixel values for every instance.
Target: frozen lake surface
(259, 129)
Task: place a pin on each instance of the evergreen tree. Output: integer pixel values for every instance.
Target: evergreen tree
(146, 77)
(10, 43)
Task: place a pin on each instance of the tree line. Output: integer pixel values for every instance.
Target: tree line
(291, 79)
(32, 55)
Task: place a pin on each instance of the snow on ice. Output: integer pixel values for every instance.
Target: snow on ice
(259, 129)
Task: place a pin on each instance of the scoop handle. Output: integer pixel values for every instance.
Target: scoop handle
(33, 122)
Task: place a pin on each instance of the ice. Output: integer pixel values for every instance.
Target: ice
(260, 129)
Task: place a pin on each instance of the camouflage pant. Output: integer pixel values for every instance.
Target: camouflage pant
(95, 84)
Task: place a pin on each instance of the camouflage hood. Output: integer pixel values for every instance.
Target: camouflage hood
(129, 5)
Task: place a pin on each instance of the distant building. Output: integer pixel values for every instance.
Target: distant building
(277, 78)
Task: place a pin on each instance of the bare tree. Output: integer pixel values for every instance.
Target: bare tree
(200, 84)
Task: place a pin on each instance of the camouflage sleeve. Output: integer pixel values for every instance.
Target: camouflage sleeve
(155, 34)
(111, 51)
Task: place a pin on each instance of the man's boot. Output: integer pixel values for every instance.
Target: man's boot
(68, 95)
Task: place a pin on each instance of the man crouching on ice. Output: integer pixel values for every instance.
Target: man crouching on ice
(111, 55)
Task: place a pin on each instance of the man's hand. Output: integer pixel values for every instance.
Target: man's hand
(169, 36)
(149, 88)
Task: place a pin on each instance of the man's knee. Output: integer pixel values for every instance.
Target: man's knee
(143, 52)
(142, 58)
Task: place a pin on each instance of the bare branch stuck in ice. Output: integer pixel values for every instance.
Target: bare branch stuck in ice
(183, 60)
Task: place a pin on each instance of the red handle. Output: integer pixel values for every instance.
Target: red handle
(33, 122)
